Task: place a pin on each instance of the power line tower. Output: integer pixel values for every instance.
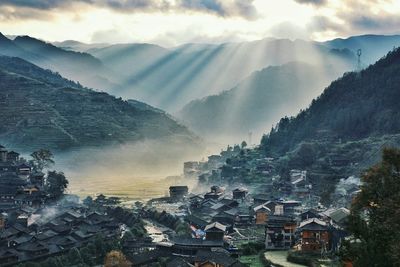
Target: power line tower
(359, 53)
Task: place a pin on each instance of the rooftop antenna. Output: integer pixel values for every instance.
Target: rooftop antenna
(359, 53)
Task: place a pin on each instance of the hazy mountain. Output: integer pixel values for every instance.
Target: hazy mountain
(8, 47)
(78, 46)
(373, 46)
(40, 109)
(129, 58)
(170, 78)
(81, 67)
(257, 102)
(356, 107)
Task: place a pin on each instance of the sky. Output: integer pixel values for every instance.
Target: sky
(174, 22)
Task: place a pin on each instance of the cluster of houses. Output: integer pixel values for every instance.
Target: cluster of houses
(287, 223)
(20, 186)
(222, 219)
(29, 238)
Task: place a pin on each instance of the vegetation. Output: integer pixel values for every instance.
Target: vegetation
(116, 259)
(42, 158)
(253, 260)
(41, 111)
(251, 248)
(56, 183)
(359, 105)
(375, 216)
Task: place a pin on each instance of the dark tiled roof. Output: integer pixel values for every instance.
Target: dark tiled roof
(193, 242)
(215, 257)
(32, 247)
(178, 262)
(147, 257)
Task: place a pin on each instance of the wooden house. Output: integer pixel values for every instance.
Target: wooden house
(261, 213)
(314, 235)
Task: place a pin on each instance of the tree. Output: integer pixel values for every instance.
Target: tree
(88, 201)
(116, 259)
(74, 257)
(56, 183)
(375, 216)
(243, 145)
(42, 158)
(138, 205)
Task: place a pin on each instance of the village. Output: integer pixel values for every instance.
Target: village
(225, 224)
(237, 224)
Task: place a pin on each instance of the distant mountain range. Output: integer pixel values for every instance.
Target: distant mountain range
(77, 66)
(41, 109)
(170, 78)
(76, 46)
(257, 102)
(373, 47)
(217, 89)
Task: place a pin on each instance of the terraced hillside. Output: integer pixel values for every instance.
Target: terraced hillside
(41, 109)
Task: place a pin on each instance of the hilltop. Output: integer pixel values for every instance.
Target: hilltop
(77, 66)
(41, 109)
(357, 106)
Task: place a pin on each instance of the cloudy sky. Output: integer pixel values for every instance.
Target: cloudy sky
(173, 22)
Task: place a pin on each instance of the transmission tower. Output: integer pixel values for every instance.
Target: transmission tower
(359, 53)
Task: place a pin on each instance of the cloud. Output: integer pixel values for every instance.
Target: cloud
(289, 30)
(244, 8)
(22, 13)
(357, 17)
(224, 8)
(108, 36)
(312, 2)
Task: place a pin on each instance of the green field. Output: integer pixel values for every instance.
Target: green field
(279, 257)
(252, 260)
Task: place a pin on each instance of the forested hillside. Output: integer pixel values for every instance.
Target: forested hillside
(356, 106)
(40, 110)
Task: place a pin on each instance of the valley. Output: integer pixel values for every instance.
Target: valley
(225, 152)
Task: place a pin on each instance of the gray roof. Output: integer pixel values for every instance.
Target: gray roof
(217, 226)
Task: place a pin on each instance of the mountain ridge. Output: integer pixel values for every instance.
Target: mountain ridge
(40, 111)
(359, 105)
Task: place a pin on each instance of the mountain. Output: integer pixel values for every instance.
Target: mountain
(373, 46)
(76, 46)
(170, 78)
(359, 107)
(8, 47)
(129, 58)
(257, 102)
(77, 66)
(40, 109)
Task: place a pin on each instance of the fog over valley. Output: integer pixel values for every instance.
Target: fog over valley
(192, 133)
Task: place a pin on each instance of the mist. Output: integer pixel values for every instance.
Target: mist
(134, 170)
